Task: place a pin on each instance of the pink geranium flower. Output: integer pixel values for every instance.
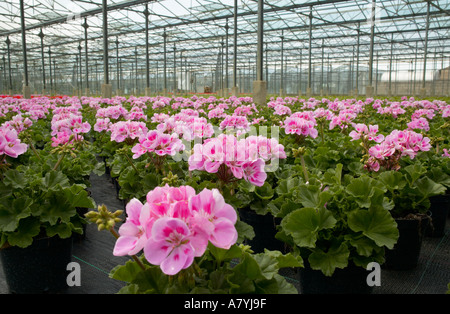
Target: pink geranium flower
(10, 144)
(133, 233)
(213, 217)
(169, 246)
(253, 172)
(361, 130)
(300, 126)
(175, 225)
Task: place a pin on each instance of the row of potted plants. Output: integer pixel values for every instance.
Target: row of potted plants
(335, 180)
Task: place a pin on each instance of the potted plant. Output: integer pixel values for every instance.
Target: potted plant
(190, 245)
(394, 161)
(338, 223)
(38, 215)
(38, 211)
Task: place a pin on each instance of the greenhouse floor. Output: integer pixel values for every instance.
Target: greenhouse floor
(94, 255)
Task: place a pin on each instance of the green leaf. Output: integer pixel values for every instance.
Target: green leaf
(12, 211)
(264, 192)
(56, 208)
(310, 195)
(222, 254)
(54, 180)
(362, 189)
(15, 179)
(268, 264)
(285, 260)
(152, 280)
(364, 246)
(77, 196)
(127, 272)
(427, 187)
(285, 186)
(327, 262)
(414, 172)
(304, 225)
(246, 186)
(393, 180)
(377, 224)
(284, 287)
(245, 231)
(64, 231)
(378, 199)
(27, 230)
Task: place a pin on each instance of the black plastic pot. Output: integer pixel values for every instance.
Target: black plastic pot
(406, 252)
(264, 227)
(439, 209)
(39, 268)
(349, 280)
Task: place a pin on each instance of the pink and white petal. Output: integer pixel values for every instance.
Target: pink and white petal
(124, 245)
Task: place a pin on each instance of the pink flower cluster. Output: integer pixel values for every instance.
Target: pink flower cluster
(158, 142)
(419, 123)
(234, 159)
(10, 144)
(236, 123)
(343, 119)
(68, 127)
(301, 123)
(123, 130)
(175, 225)
(282, 110)
(113, 112)
(369, 133)
(396, 145)
(19, 123)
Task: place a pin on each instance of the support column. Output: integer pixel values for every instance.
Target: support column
(423, 91)
(321, 74)
(136, 91)
(282, 65)
(106, 86)
(51, 74)
(54, 71)
(86, 26)
(300, 76)
(26, 88)
(369, 87)
(118, 90)
(226, 91)
(235, 89)
(309, 88)
(44, 89)
(8, 45)
(389, 94)
(357, 62)
(165, 63)
(175, 85)
(415, 72)
(147, 57)
(80, 90)
(4, 75)
(260, 86)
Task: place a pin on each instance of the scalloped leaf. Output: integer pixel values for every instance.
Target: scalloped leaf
(304, 225)
(377, 224)
(327, 262)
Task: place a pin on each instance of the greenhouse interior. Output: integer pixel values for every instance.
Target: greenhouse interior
(264, 147)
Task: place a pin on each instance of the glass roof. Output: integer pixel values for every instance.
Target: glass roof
(197, 28)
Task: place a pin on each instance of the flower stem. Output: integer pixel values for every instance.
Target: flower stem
(305, 171)
(131, 163)
(59, 161)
